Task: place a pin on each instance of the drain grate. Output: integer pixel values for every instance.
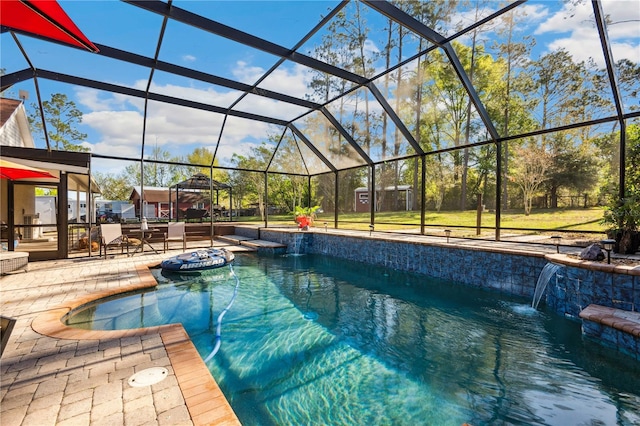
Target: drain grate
(148, 377)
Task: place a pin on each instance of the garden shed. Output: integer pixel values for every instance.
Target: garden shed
(391, 198)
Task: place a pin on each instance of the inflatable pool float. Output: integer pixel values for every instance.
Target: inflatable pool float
(198, 261)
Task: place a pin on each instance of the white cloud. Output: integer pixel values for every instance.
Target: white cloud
(582, 40)
(289, 79)
(188, 58)
(116, 123)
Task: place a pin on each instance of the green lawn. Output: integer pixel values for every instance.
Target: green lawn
(547, 219)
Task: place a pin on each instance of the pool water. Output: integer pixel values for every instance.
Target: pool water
(318, 340)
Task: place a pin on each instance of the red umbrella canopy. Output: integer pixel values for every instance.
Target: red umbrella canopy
(14, 171)
(43, 18)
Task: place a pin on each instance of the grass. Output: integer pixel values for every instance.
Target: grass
(577, 220)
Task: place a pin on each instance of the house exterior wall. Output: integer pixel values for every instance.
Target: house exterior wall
(15, 131)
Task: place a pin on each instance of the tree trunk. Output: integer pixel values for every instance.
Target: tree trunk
(554, 197)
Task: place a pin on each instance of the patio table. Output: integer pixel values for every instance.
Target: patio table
(145, 235)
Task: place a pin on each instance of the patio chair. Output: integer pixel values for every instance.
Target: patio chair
(111, 235)
(175, 232)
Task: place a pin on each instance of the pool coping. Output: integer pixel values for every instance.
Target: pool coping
(202, 395)
(592, 265)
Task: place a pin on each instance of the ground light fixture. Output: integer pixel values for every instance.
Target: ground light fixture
(447, 232)
(325, 227)
(607, 245)
(556, 240)
(371, 229)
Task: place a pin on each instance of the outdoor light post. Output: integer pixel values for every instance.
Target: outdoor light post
(325, 227)
(447, 232)
(608, 246)
(556, 240)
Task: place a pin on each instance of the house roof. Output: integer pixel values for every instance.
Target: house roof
(201, 181)
(387, 188)
(7, 108)
(14, 124)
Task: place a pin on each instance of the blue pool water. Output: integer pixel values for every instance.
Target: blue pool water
(317, 340)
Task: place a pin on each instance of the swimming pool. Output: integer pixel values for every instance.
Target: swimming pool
(318, 340)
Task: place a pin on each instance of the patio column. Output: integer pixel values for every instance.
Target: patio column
(498, 187)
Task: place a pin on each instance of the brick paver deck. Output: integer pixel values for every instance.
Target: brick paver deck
(56, 375)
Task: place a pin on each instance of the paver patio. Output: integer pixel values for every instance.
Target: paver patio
(61, 376)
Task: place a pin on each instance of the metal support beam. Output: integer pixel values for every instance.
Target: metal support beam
(213, 27)
(309, 191)
(312, 147)
(394, 117)
(346, 135)
(154, 96)
(601, 23)
(144, 61)
(266, 200)
(8, 80)
(406, 20)
(498, 188)
(423, 191)
(372, 196)
(336, 197)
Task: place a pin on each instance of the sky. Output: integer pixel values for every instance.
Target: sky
(114, 122)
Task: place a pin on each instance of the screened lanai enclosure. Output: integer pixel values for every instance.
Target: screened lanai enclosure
(499, 118)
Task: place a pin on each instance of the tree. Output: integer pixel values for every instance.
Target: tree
(61, 116)
(530, 165)
(204, 156)
(249, 185)
(113, 187)
(573, 166)
(516, 103)
(157, 174)
(633, 159)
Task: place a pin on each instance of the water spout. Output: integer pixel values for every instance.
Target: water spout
(545, 276)
(297, 243)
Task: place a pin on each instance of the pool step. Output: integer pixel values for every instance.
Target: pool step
(262, 246)
(234, 239)
(613, 327)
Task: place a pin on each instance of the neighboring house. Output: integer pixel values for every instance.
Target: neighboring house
(156, 201)
(19, 209)
(114, 210)
(14, 124)
(14, 132)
